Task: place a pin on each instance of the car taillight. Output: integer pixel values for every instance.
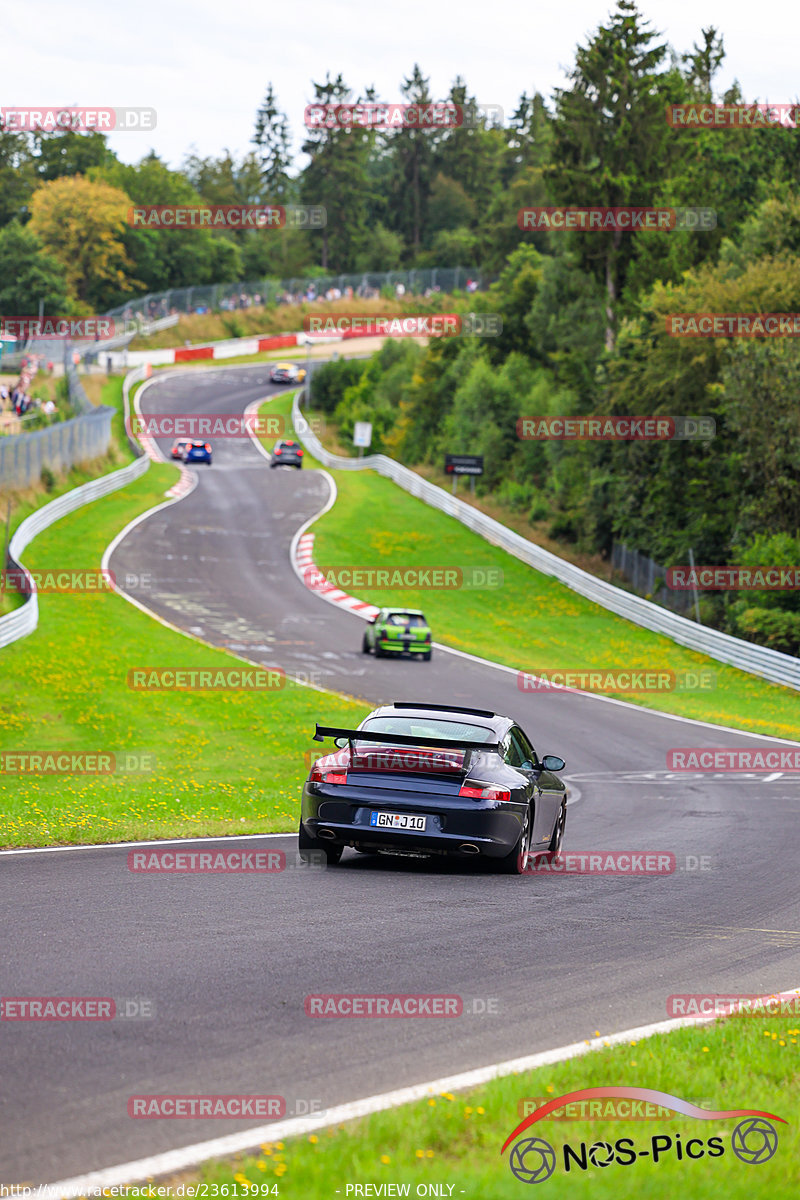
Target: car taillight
(427, 637)
(208, 448)
(484, 793)
(320, 776)
(277, 450)
(299, 453)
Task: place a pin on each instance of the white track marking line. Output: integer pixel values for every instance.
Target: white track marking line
(249, 1140)
(221, 837)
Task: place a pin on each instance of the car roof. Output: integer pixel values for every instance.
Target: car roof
(498, 724)
(408, 612)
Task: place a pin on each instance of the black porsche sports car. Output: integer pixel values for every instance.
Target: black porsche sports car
(425, 779)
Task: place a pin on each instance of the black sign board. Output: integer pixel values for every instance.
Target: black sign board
(463, 464)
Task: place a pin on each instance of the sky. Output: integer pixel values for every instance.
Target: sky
(204, 65)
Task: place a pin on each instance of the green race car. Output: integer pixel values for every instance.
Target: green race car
(398, 631)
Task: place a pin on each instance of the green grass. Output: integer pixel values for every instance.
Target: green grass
(456, 1139)
(532, 622)
(226, 761)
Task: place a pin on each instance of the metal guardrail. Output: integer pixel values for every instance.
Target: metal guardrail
(23, 620)
(746, 656)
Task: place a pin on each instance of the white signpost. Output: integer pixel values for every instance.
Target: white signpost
(362, 436)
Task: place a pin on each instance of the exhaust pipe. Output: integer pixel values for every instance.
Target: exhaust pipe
(469, 848)
(326, 833)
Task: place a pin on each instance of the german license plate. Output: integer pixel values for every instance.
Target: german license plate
(387, 820)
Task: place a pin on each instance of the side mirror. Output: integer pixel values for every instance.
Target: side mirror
(551, 762)
(372, 620)
(340, 742)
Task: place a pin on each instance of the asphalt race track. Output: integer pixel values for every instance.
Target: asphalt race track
(227, 960)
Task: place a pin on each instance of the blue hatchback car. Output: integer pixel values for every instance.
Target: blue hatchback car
(197, 452)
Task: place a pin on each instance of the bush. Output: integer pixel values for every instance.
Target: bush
(234, 326)
(540, 510)
(563, 528)
(773, 627)
(330, 382)
(517, 496)
(48, 479)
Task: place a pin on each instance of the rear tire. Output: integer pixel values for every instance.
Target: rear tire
(426, 657)
(378, 651)
(364, 645)
(308, 845)
(516, 863)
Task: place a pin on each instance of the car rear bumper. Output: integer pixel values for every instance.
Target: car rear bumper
(465, 830)
(399, 648)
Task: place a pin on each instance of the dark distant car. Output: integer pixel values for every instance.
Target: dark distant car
(179, 446)
(430, 779)
(286, 454)
(197, 452)
(286, 373)
(398, 631)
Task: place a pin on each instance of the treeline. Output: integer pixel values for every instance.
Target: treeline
(401, 197)
(585, 332)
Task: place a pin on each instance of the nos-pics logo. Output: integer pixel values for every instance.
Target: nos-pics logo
(754, 1140)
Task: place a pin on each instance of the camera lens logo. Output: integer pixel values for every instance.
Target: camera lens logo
(754, 1141)
(533, 1160)
(601, 1154)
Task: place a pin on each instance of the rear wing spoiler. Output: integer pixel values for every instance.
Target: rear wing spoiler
(401, 739)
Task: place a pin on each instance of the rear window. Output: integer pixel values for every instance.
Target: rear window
(457, 731)
(406, 620)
